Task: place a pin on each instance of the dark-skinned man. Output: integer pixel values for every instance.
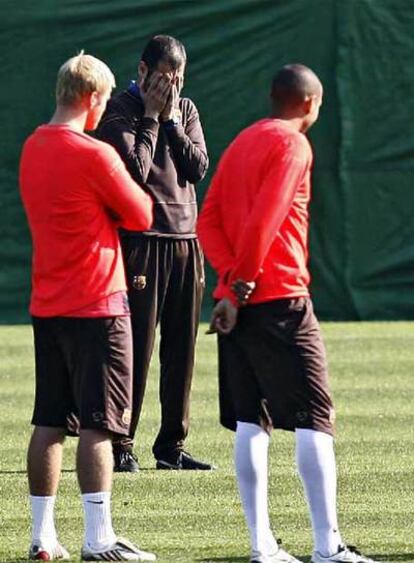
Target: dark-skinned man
(254, 231)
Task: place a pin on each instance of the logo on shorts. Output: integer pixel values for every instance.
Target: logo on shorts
(97, 416)
(302, 416)
(139, 282)
(126, 417)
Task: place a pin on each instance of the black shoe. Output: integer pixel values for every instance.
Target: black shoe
(125, 461)
(182, 460)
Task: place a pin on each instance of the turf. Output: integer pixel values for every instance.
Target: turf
(196, 517)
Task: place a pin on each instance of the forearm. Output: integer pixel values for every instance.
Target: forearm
(270, 209)
(213, 239)
(218, 253)
(135, 147)
(126, 202)
(190, 157)
(141, 154)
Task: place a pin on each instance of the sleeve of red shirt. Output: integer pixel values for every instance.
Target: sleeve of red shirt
(210, 229)
(271, 206)
(118, 191)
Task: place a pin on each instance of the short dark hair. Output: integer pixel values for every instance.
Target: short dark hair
(293, 84)
(164, 48)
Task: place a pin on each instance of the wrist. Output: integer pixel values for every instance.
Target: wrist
(231, 297)
(151, 114)
(172, 118)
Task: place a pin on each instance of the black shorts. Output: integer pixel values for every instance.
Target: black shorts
(83, 373)
(273, 365)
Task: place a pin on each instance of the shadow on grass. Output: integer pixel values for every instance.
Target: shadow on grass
(306, 559)
(391, 558)
(394, 557)
(23, 472)
(237, 559)
(222, 560)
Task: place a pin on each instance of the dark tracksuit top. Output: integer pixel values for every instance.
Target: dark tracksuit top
(166, 160)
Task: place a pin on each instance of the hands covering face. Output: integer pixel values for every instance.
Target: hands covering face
(160, 93)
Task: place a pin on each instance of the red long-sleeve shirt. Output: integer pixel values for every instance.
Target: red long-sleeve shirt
(76, 192)
(254, 221)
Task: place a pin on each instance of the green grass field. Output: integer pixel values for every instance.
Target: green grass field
(196, 517)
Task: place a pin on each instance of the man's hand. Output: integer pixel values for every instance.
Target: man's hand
(171, 109)
(155, 96)
(224, 317)
(243, 290)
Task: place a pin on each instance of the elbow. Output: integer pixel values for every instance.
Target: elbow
(204, 168)
(138, 172)
(142, 176)
(198, 173)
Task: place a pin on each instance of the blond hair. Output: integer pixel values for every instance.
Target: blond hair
(82, 75)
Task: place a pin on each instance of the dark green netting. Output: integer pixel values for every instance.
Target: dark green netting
(362, 233)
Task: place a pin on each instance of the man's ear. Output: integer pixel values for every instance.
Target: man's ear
(90, 101)
(94, 100)
(309, 104)
(142, 73)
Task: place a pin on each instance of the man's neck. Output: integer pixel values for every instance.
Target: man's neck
(75, 118)
(294, 121)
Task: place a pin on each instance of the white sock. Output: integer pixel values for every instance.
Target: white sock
(99, 534)
(43, 520)
(250, 455)
(315, 459)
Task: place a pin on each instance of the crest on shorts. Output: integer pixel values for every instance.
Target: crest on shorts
(139, 282)
(126, 417)
(302, 416)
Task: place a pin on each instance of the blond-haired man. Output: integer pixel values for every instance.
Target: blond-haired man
(76, 192)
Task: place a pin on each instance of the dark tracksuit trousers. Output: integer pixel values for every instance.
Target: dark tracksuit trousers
(165, 285)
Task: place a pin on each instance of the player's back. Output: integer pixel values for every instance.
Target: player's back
(74, 238)
(254, 220)
(55, 176)
(247, 161)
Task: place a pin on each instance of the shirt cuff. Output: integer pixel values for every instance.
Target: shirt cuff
(171, 123)
(174, 131)
(150, 123)
(228, 293)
